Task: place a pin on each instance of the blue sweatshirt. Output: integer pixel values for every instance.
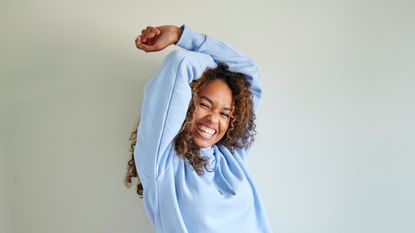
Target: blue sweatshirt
(176, 198)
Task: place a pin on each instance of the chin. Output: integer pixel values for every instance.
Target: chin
(202, 143)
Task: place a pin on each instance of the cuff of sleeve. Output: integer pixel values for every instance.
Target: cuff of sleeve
(190, 40)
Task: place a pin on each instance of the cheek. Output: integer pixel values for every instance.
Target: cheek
(224, 125)
(198, 114)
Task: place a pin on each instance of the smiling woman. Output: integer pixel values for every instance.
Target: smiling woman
(217, 97)
(212, 114)
(196, 128)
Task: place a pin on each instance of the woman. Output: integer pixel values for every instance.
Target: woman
(197, 123)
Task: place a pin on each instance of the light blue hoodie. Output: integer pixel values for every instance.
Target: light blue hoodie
(176, 198)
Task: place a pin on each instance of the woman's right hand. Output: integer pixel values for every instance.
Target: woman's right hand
(154, 39)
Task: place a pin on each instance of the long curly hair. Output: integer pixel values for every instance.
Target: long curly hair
(240, 133)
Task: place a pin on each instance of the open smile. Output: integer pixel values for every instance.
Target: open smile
(204, 131)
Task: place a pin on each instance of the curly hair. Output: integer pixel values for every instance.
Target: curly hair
(240, 133)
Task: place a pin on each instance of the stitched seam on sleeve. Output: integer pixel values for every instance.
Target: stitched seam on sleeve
(157, 174)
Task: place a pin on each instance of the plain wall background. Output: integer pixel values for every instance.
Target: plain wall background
(335, 149)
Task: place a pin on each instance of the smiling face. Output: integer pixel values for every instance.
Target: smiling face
(212, 114)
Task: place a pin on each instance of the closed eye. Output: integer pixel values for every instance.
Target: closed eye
(225, 114)
(204, 105)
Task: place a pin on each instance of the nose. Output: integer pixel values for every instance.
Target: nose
(213, 118)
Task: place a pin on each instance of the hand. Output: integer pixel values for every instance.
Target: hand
(154, 39)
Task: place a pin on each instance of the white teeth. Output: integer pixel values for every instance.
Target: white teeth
(208, 131)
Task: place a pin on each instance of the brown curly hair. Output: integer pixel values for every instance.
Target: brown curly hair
(240, 133)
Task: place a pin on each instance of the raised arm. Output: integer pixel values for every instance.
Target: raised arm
(166, 99)
(157, 38)
(222, 52)
(168, 93)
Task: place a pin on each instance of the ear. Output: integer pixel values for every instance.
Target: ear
(232, 109)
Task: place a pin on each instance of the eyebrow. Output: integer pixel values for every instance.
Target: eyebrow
(211, 102)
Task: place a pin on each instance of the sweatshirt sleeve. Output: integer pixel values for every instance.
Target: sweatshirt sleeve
(223, 53)
(166, 99)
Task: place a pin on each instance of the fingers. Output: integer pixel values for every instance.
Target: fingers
(148, 40)
(149, 33)
(148, 48)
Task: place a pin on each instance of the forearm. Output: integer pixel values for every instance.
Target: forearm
(223, 53)
(166, 98)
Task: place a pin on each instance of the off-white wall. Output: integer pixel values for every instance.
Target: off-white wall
(335, 150)
(4, 178)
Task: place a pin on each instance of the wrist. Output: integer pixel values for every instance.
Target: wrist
(179, 32)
